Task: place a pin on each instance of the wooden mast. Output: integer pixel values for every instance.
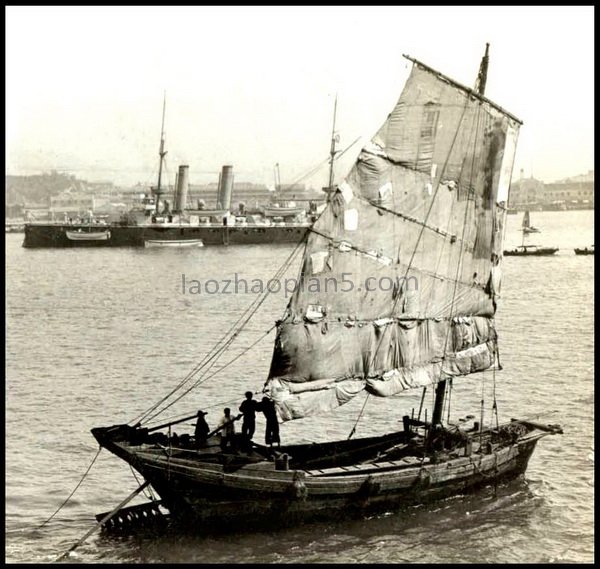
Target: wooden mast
(440, 390)
(162, 152)
(277, 175)
(482, 75)
(332, 150)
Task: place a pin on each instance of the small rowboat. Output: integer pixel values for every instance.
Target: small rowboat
(173, 243)
(585, 251)
(88, 235)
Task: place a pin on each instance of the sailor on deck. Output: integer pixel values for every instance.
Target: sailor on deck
(272, 428)
(202, 429)
(249, 408)
(228, 428)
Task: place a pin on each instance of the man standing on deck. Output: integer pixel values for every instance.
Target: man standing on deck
(248, 408)
(272, 429)
(202, 429)
(227, 428)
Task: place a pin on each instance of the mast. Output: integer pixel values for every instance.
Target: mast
(162, 153)
(440, 391)
(332, 150)
(277, 177)
(482, 75)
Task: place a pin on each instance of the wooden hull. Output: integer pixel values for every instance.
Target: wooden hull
(585, 251)
(224, 496)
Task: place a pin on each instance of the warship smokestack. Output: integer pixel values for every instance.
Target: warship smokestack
(181, 191)
(225, 187)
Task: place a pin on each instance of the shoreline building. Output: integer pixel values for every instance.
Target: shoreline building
(576, 192)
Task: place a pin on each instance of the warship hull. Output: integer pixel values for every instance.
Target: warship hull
(57, 235)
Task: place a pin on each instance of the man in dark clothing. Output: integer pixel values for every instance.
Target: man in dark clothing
(202, 429)
(248, 408)
(272, 429)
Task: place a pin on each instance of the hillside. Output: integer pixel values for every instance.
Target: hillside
(38, 189)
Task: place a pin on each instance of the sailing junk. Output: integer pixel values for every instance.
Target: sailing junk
(426, 198)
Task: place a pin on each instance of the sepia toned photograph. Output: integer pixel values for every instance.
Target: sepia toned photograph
(299, 284)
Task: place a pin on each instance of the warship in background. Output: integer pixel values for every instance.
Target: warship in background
(154, 220)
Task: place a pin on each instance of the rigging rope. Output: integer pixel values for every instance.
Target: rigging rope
(74, 490)
(409, 266)
(234, 330)
(358, 418)
(422, 401)
(226, 340)
(462, 250)
(210, 355)
(205, 378)
(150, 494)
(460, 257)
(495, 403)
(326, 161)
(227, 343)
(437, 188)
(449, 398)
(482, 406)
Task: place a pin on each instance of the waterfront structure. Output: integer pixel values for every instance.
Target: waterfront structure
(530, 193)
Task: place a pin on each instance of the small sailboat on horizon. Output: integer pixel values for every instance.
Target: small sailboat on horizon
(526, 226)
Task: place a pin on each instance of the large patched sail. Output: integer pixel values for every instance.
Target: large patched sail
(400, 273)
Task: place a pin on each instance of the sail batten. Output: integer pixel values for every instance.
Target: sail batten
(412, 241)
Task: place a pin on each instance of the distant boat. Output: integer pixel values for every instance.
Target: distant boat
(281, 210)
(585, 251)
(526, 226)
(173, 243)
(82, 235)
(531, 250)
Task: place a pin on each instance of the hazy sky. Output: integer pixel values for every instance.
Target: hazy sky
(252, 86)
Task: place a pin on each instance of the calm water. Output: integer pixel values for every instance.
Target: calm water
(94, 337)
